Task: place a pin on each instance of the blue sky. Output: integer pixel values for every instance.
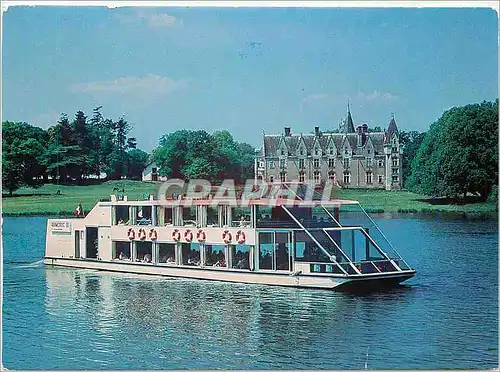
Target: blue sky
(248, 69)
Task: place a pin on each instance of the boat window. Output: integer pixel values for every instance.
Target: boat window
(121, 250)
(143, 215)
(212, 216)
(92, 242)
(191, 254)
(327, 268)
(144, 252)
(122, 216)
(282, 250)
(166, 253)
(356, 245)
(307, 250)
(242, 217)
(266, 251)
(189, 216)
(241, 256)
(168, 216)
(274, 217)
(215, 255)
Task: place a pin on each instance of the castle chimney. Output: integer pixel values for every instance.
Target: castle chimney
(316, 131)
(365, 128)
(287, 131)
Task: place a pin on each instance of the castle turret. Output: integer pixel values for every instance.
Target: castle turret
(349, 125)
(393, 128)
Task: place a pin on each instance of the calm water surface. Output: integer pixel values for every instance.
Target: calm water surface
(445, 317)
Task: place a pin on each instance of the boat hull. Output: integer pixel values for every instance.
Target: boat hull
(287, 279)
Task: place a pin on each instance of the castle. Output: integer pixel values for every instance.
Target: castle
(351, 158)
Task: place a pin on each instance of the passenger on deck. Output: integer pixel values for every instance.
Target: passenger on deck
(147, 258)
(170, 259)
(243, 264)
(121, 222)
(122, 256)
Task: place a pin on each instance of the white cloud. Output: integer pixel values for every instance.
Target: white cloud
(375, 96)
(150, 84)
(313, 98)
(153, 20)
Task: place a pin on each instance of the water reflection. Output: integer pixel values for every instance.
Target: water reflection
(164, 323)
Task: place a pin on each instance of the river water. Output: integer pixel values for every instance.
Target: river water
(445, 317)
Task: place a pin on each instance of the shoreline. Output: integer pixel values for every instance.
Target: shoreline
(61, 200)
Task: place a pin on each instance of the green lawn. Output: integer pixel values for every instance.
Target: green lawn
(45, 201)
(405, 201)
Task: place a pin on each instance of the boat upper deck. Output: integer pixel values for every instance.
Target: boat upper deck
(187, 202)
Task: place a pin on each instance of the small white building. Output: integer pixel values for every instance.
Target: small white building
(150, 173)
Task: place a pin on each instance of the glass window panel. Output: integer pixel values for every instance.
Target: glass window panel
(266, 251)
(122, 250)
(282, 251)
(122, 215)
(307, 250)
(215, 255)
(191, 254)
(241, 256)
(166, 253)
(144, 252)
(143, 215)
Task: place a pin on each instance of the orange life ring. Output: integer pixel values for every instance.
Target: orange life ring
(142, 234)
(241, 237)
(152, 234)
(131, 234)
(188, 235)
(226, 236)
(201, 236)
(176, 235)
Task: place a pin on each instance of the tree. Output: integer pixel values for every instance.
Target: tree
(197, 154)
(170, 155)
(247, 160)
(23, 147)
(226, 155)
(459, 154)
(118, 157)
(62, 157)
(137, 160)
(411, 142)
(83, 139)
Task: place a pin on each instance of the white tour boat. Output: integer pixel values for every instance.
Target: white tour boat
(284, 240)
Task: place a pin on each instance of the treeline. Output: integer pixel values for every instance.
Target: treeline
(199, 155)
(459, 154)
(69, 151)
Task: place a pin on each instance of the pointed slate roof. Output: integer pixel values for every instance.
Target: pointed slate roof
(393, 128)
(271, 142)
(349, 126)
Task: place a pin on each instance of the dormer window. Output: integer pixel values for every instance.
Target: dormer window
(346, 152)
(331, 151)
(282, 152)
(368, 151)
(301, 152)
(316, 152)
